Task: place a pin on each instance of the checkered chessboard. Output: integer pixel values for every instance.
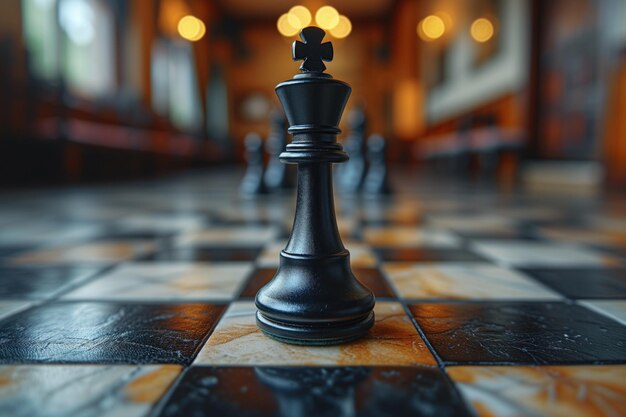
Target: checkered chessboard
(137, 300)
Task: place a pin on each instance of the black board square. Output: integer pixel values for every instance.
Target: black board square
(520, 333)
(134, 235)
(258, 279)
(224, 221)
(7, 251)
(40, 282)
(323, 392)
(521, 233)
(426, 255)
(97, 332)
(372, 278)
(200, 254)
(390, 222)
(584, 283)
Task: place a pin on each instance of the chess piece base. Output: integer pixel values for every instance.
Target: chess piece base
(315, 336)
(315, 301)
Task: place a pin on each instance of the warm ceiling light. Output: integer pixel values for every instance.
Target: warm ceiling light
(191, 28)
(284, 27)
(170, 13)
(431, 27)
(299, 17)
(327, 17)
(343, 28)
(482, 30)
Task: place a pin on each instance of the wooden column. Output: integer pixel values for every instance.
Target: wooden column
(615, 128)
(144, 17)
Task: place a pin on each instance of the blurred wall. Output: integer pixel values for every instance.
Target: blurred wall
(470, 85)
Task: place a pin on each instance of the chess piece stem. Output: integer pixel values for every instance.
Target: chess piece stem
(315, 227)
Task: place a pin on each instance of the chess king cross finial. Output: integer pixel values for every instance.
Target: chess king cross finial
(312, 51)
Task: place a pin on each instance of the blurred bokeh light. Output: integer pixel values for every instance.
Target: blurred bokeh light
(191, 28)
(343, 28)
(327, 17)
(431, 27)
(299, 17)
(482, 29)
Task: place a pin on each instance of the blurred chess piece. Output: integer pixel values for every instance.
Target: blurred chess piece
(278, 176)
(461, 157)
(252, 183)
(352, 173)
(377, 179)
(488, 148)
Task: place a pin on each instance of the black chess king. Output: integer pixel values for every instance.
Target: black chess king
(314, 298)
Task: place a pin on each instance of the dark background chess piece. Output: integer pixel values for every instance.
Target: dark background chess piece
(252, 182)
(314, 298)
(278, 176)
(377, 179)
(350, 175)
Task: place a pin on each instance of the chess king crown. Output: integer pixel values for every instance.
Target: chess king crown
(314, 103)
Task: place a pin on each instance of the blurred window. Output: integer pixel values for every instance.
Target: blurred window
(40, 33)
(72, 39)
(175, 84)
(218, 127)
(88, 63)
